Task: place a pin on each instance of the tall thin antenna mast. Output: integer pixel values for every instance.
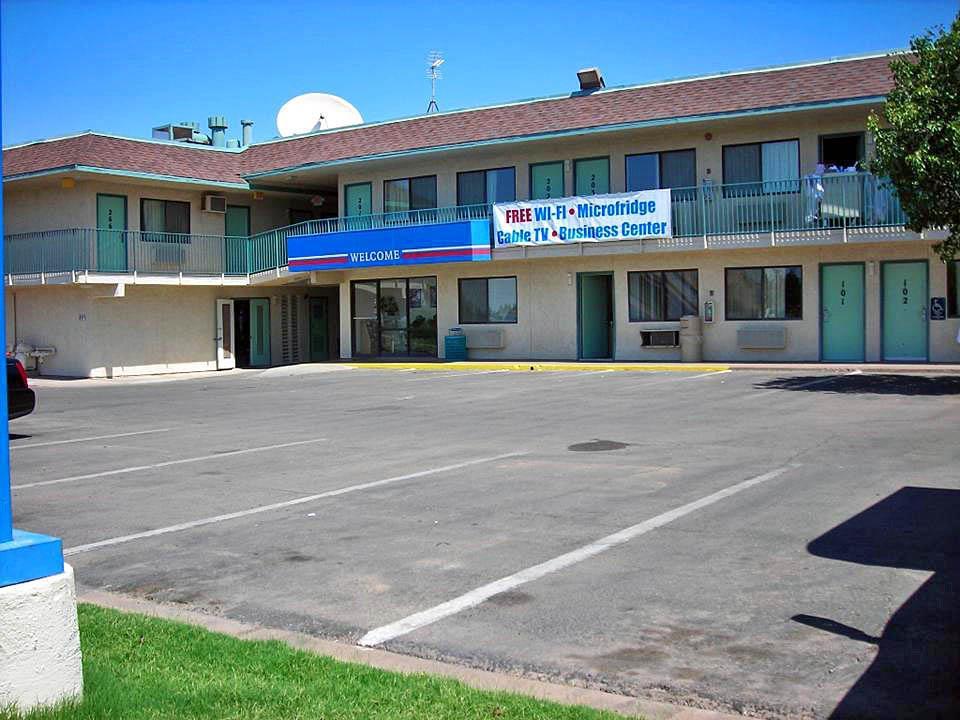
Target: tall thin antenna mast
(434, 61)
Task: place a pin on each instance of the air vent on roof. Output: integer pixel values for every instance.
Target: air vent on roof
(590, 79)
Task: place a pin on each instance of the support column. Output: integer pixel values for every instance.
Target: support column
(39, 638)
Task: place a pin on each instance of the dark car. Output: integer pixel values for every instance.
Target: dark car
(20, 398)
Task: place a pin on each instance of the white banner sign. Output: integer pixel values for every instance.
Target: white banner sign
(624, 216)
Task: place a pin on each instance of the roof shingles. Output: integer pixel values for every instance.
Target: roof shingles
(817, 83)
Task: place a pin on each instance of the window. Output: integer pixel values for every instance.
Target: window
(481, 187)
(652, 171)
(769, 167)
(419, 193)
(165, 220)
(662, 294)
(953, 288)
(546, 180)
(764, 293)
(591, 176)
(488, 300)
(842, 151)
(397, 316)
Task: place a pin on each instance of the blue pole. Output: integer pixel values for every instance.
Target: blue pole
(6, 509)
(24, 556)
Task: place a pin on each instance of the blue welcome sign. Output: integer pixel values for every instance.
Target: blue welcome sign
(462, 241)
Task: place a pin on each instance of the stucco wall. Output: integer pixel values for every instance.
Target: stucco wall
(152, 329)
(49, 206)
(805, 126)
(547, 301)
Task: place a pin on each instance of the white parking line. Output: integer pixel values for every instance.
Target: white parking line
(280, 505)
(89, 439)
(167, 463)
(475, 597)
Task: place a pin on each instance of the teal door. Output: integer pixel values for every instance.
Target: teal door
(319, 341)
(842, 333)
(259, 332)
(905, 311)
(111, 233)
(357, 203)
(236, 228)
(595, 321)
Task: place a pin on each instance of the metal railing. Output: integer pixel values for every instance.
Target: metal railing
(729, 215)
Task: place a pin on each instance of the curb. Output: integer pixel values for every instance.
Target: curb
(538, 367)
(407, 664)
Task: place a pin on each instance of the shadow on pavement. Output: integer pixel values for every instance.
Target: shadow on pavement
(18, 436)
(876, 384)
(916, 673)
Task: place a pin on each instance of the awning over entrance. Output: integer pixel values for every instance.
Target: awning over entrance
(457, 241)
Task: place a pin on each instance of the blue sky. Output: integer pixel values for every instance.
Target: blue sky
(124, 67)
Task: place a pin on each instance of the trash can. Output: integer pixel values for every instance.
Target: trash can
(455, 344)
(691, 339)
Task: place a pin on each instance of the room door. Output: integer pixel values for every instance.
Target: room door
(842, 325)
(595, 315)
(259, 332)
(111, 233)
(236, 229)
(226, 359)
(905, 311)
(319, 337)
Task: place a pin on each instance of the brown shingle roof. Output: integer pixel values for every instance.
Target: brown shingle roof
(816, 83)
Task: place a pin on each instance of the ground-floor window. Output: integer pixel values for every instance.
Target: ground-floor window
(662, 294)
(953, 288)
(764, 293)
(397, 316)
(488, 300)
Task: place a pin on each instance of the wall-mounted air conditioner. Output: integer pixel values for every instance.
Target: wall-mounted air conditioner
(214, 204)
(660, 338)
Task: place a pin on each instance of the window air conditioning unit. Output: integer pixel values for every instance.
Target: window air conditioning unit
(660, 338)
(214, 204)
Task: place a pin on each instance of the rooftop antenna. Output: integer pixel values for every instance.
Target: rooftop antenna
(434, 61)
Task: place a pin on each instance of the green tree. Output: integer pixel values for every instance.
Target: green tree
(918, 134)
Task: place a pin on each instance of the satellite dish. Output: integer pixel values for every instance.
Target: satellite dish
(315, 111)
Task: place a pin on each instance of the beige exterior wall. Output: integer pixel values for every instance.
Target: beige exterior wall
(805, 126)
(31, 207)
(547, 302)
(152, 329)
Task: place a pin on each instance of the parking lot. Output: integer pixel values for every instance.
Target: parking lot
(777, 543)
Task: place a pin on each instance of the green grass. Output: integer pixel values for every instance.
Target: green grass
(138, 667)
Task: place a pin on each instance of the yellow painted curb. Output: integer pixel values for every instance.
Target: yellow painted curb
(537, 367)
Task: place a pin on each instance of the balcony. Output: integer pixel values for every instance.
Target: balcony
(837, 208)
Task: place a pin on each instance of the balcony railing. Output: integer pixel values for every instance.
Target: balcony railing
(738, 215)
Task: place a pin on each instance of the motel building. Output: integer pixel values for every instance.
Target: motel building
(582, 226)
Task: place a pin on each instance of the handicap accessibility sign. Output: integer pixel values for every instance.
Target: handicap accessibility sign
(938, 308)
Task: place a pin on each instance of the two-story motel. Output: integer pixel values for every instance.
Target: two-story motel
(130, 256)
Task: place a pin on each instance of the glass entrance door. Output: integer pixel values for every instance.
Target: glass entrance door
(395, 317)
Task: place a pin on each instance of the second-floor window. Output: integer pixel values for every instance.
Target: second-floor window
(672, 169)
(482, 187)
(767, 167)
(165, 220)
(418, 193)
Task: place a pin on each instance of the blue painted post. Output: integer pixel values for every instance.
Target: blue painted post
(24, 556)
(6, 508)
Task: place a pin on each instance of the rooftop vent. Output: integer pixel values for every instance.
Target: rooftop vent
(590, 79)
